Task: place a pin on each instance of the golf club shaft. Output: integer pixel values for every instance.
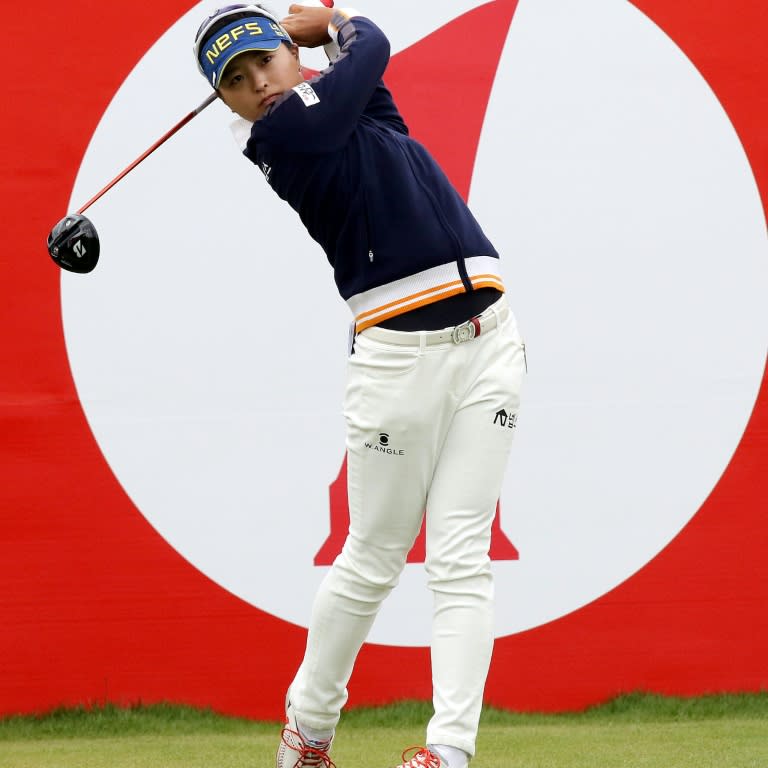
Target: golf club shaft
(146, 154)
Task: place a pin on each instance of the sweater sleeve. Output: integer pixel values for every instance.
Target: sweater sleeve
(320, 114)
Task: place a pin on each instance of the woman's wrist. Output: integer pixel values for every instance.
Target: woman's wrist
(307, 25)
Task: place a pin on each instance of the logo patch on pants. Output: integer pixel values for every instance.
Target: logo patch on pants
(383, 446)
(504, 419)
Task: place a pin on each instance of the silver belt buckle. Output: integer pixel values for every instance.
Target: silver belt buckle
(463, 332)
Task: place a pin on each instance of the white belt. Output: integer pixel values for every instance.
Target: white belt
(471, 329)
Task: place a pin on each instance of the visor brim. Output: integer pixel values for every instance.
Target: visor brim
(218, 71)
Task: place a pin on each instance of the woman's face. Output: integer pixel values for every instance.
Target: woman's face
(253, 80)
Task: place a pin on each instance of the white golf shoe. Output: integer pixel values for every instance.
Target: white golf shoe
(296, 751)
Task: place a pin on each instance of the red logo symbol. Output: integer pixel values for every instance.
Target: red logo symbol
(501, 547)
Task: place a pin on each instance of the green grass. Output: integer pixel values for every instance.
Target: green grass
(635, 731)
(110, 720)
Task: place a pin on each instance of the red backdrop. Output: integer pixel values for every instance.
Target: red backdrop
(96, 606)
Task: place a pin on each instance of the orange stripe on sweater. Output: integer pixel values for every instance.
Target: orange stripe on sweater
(406, 299)
(446, 290)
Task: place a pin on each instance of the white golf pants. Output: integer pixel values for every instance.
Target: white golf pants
(429, 427)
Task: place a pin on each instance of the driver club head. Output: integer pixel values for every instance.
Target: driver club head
(74, 244)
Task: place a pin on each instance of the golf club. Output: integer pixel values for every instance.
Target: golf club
(74, 243)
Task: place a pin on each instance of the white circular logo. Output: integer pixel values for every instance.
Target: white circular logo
(208, 347)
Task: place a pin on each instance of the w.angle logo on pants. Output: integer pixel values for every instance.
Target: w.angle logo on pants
(384, 446)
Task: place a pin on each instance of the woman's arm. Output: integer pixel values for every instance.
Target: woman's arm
(325, 110)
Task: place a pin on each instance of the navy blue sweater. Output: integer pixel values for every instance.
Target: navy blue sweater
(395, 230)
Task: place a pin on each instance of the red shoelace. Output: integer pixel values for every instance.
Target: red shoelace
(422, 758)
(309, 757)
